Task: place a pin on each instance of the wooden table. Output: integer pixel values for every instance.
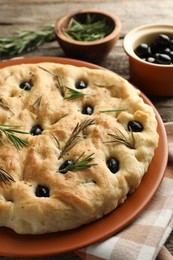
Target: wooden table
(15, 14)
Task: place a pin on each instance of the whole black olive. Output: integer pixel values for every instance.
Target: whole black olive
(151, 60)
(42, 191)
(88, 110)
(162, 41)
(26, 85)
(36, 130)
(113, 165)
(162, 58)
(135, 126)
(80, 84)
(142, 50)
(63, 166)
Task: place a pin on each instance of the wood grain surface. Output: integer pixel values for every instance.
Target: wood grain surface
(17, 14)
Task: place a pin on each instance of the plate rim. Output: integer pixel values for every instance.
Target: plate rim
(21, 248)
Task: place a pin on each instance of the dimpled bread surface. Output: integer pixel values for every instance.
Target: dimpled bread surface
(81, 195)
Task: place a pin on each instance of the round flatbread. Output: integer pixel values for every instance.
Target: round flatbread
(74, 142)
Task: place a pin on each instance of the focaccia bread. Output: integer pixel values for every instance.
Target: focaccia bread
(74, 142)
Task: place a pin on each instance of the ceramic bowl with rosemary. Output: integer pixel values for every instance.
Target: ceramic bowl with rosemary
(88, 34)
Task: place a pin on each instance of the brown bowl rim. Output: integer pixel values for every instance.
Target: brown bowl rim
(114, 18)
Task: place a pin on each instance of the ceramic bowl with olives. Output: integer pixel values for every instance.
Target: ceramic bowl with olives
(150, 52)
(88, 34)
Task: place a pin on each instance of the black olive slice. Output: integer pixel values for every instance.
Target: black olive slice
(80, 84)
(63, 166)
(88, 110)
(42, 191)
(113, 165)
(135, 126)
(26, 85)
(36, 130)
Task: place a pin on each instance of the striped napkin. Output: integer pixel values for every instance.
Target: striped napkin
(144, 239)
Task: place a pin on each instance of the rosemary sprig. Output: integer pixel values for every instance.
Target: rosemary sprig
(80, 164)
(113, 110)
(9, 131)
(73, 94)
(25, 40)
(58, 79)
(5, 176)
(119, 137)
(74, 137)
(93, 28)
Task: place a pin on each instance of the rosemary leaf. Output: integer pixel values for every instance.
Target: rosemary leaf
(9, 131)
(73, 94)
(113, 110)
(17, 141)
(132, 139)
(61, 117)
(103, 86)
(37, 102)
(5, 176)
(80, 164)
(74, 137)
(4, 105)
(57, 142)
(25, 40)
(119, 137)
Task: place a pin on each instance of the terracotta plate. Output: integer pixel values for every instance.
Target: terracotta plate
(12, 244)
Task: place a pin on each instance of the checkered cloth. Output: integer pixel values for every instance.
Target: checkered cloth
(145, 237)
